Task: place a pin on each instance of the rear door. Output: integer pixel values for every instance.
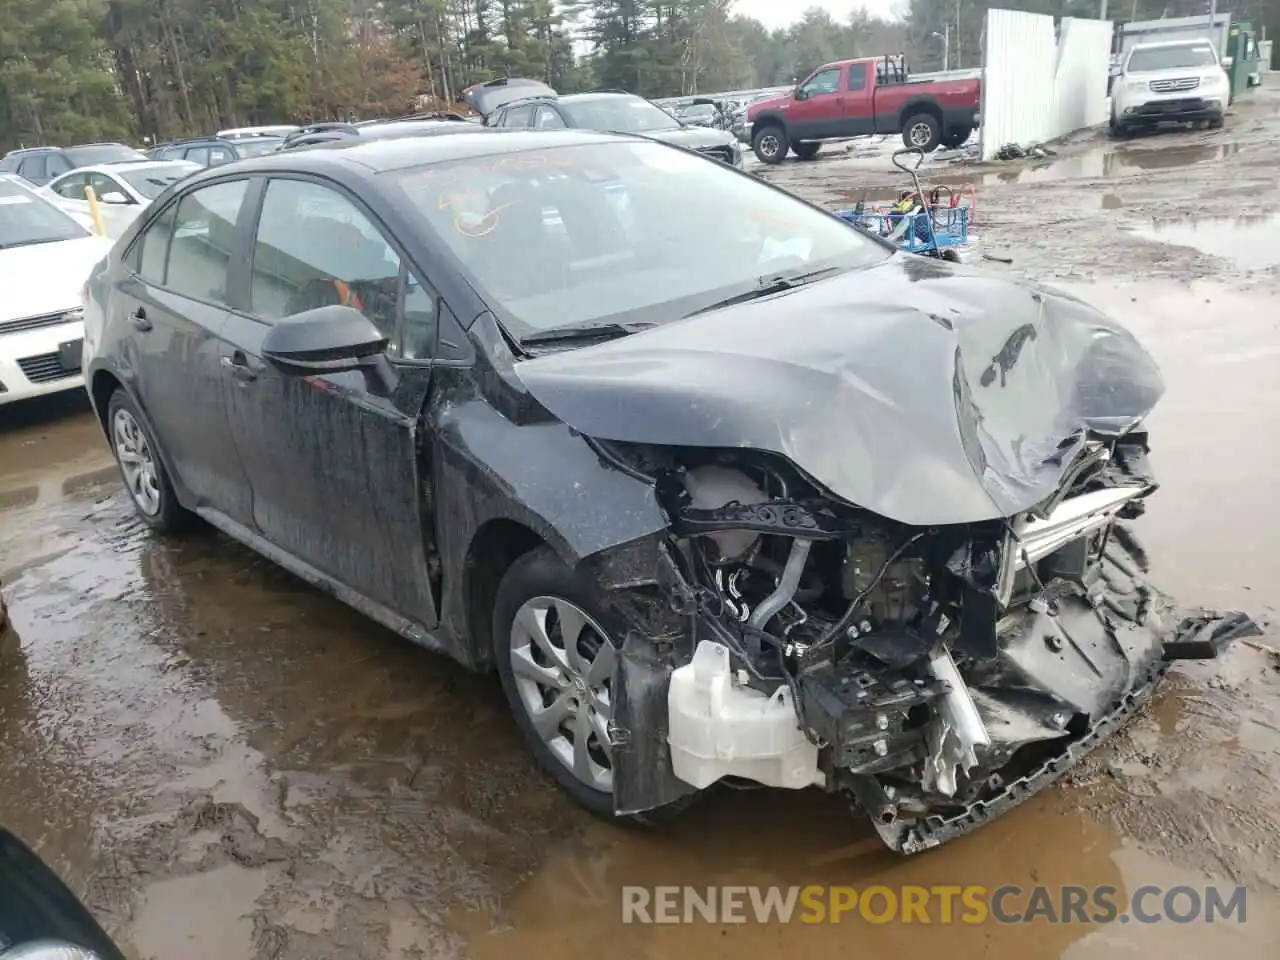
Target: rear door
(174, 298)
(859, 117)
(333, 460)
(820, 113)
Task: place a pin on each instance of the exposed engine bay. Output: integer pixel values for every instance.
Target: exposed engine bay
(934, 675)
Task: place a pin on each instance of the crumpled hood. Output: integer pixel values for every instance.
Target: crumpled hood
(927, 393)
(694, 137)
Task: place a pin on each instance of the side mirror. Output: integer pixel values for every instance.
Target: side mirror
(324, 340)
(801, 93)
(40, 918)
(114, 196)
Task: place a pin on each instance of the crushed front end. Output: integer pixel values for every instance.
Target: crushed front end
(937, 676)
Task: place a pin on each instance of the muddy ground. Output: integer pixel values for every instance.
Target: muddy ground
(228, 765)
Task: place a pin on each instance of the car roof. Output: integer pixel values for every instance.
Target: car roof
(1189, 42)
(600, 95)
(114, 168)
(372, 156)
(74, 146)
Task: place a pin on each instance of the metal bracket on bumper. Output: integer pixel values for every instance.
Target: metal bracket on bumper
(935, 831)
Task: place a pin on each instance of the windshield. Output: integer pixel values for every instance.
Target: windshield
(620, 232)
(1171, 58)
(258, 146)
(26, 218)
(101, 153)
(618, 115)
(152, 181)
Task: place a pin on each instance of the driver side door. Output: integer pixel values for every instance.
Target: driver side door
(819, 110)
(333, 459)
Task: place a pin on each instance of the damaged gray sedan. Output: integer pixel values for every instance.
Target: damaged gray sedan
(723, 488)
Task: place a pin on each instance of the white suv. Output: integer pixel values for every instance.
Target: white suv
(1179, 81)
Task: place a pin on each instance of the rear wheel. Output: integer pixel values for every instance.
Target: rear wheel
(922, 132)
(144, 473)
(807, 149)
(770, 144)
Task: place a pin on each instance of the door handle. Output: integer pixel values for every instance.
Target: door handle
(238, 364)
(139, 320)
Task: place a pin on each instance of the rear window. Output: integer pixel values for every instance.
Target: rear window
(152, 181)
(1172, 58)
(101, 153)
(258, 146)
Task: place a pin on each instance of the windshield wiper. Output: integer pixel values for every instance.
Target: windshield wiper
(767, 286)
(598, 331)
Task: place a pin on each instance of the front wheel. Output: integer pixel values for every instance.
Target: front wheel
(770, 144)
(144, 473)
(1217, 123)
(922, 132)
(806, 150)
(556, 658)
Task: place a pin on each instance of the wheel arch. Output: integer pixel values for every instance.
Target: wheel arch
(497, 544)
(920, 105)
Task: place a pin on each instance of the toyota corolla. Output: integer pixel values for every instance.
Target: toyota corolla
(721, 487)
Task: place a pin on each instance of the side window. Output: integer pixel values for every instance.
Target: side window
(548, 118)
(33, 167)
(204, 236)
(155, 247)
(828, 81)
(198, 155)
(102, 185)
(519, 117)
(219, 155)
(420, 319)
(315, 248)
(71, 187)
(858, 76)
(56, 165)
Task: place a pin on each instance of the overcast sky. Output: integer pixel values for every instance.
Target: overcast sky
(783, 13)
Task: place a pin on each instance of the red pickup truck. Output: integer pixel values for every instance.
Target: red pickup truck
(861, 97)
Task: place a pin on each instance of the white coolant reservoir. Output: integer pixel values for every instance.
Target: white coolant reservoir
(722, 729)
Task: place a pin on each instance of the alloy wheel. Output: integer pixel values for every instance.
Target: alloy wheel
(137, 462)
(562, 662)
(920, 134)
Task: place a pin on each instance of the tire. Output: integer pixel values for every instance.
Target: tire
(770, 144)
(807, 149)
(956, 138)
(149, 486)
(1118, 130)
(1217, 123)
(537, 584)
(924, 130)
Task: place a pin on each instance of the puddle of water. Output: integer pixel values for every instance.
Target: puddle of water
(1105, 162)
(218, 930)
(1250, 242)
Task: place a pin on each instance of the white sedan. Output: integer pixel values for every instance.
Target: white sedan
(45, 259)
(123, 190)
